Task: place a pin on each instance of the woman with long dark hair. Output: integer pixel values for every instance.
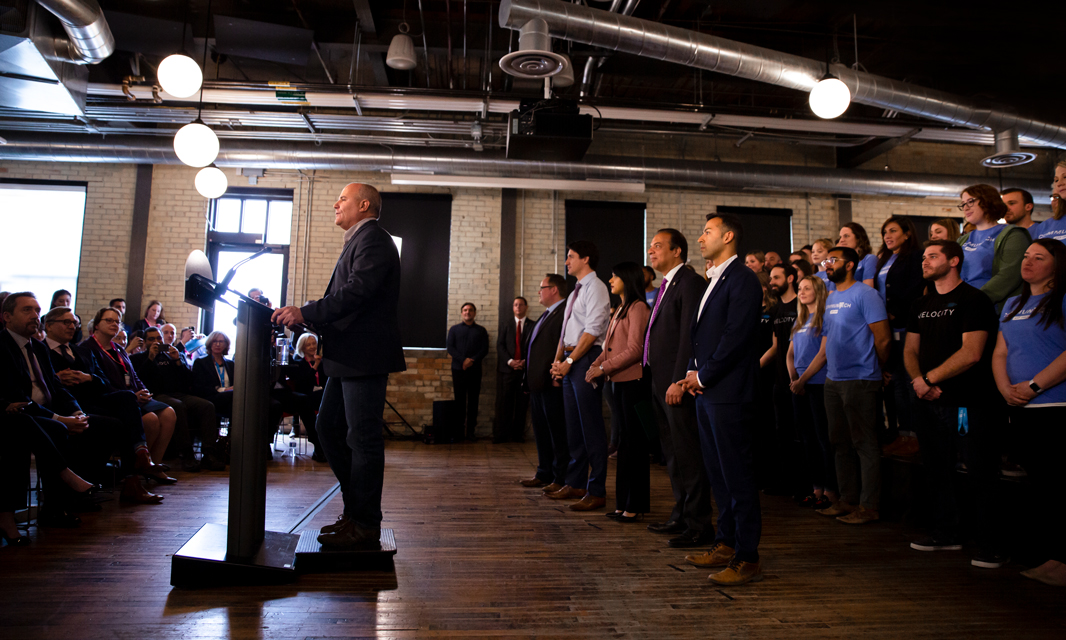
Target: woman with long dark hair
(853, 235)
(1029, 365)
(993, 251)
(620, 363)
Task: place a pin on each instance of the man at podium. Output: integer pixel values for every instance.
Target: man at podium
(360, 344)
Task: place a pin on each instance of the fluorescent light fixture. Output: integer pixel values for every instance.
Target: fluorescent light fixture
(516, 183)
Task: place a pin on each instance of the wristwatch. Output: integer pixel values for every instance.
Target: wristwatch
(1035, 387)
(569, 360)
(925, 379)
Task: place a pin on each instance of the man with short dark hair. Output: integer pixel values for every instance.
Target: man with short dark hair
(511, 400)
(950, 339)
(585, 319)
(545, 394)
(468, 344)
(119, 304)
(858, 340)
(1019, 207)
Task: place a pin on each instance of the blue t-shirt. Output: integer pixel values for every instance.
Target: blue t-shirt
(805, 345)
(649, 297)
(979, 248)
(850, 345)
(867, 268)
(824, 275)
(882, 275)
(1031, 347)
(1050, 228)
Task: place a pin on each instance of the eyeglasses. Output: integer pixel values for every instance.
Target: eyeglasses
(109, 320)
(832, 260)
(967, 204)
(69, 323)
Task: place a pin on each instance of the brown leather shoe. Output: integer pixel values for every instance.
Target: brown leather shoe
(532, 482)
(566, 493)
(134, 492)
(552, 488)
(718, 556)
(352, 535)
(588, 503)
(737, 573)
(336, 526)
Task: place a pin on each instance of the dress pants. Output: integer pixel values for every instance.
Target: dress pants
(303, 405)
(813, 427)
(467, 386)
(851, 408)
(1041, 437)
(633, 472)
(511, 406)
(122, 406)
(680, 437)
(21, 435)
(349, 427)
(87, 452)
(585, 431)
(726, 439)
(549, 431)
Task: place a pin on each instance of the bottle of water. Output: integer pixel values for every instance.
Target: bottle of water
(223, 427)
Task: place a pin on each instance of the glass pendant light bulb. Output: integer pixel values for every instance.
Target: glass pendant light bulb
(196, 144)
(179, 75)
(830, 98)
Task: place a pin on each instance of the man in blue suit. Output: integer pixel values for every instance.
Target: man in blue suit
(360, 342)
(721, 375)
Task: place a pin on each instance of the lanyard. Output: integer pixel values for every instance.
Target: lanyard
(220, 369)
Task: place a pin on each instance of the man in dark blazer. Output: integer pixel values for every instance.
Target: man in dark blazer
(358, 324)
(511, 398)
(722, 375)
(667, 351)
(545, 394)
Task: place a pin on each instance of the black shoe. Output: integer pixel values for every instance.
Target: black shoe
(351, 535)
(935, 543)
(632, 518)
(670, 526)
(613, 515)
(58, 519)
(690, 539)
(18, 541)
(989, 559)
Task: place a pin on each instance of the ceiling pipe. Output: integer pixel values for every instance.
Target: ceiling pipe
(703, 51)
(281, 154)
(89, 39)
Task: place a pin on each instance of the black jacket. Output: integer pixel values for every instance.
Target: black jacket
(505, 342)
(669, 346)
(205, 377)
(540, 353)
(903, 285)
(84, 361)
(163, 375)
(16, 385)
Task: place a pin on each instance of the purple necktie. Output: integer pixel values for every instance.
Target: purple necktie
(569, 310)
(647, 335)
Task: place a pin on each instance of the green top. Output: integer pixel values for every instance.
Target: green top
(1008, 251)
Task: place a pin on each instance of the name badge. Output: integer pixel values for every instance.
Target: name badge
(128, 380)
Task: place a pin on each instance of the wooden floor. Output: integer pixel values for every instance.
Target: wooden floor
(480, 556)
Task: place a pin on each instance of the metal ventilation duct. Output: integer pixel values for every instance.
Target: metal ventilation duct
(1008, 153)
(279, 154)
(577, 23)
(90, 40)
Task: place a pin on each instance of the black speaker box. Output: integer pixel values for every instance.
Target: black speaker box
(445, 427)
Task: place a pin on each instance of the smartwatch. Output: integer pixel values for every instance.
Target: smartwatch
(1035, 387)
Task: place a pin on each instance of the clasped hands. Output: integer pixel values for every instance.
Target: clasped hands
(690, 384)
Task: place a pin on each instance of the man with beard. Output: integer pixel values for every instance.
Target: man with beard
(780, 444)
(1019, 207)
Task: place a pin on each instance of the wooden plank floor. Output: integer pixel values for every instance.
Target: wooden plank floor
(480, 556)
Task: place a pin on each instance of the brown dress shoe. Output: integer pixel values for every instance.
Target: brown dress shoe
(718, 556)
(737, 573)
(134, 492)
(336, 526)
(552, 488)
(532, 482)
(352, 535)
(566, 493)
(588, 503)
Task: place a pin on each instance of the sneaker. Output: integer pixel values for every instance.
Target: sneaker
(989, 559)
(933, 543)
(862, 515)
(838, 508)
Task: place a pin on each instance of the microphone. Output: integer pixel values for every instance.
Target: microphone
(224, 284)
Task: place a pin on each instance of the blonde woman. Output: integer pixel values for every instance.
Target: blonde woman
(1055, 226)
(819, 252)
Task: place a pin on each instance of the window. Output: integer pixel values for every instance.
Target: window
(260, 216)
(42, 225)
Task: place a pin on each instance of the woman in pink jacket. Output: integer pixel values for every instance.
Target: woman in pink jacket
(621, 364)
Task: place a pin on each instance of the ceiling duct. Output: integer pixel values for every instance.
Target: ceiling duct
(534, 58)
(33, 73)
(280, 154)
(1008, 153)
(89, 39)
(577, 23)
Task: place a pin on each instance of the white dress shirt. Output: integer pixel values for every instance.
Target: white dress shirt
(518, 331)
(713, 274)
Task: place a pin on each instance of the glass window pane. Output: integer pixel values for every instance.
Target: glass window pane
(228, 215)
(255, 214)
(29, 213)
(279, 223)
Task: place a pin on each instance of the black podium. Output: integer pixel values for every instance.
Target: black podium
(242, 552)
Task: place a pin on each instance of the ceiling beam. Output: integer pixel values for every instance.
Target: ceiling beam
(852, 157)
(366, 18)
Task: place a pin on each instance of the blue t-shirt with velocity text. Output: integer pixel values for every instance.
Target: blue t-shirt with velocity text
(850, 345)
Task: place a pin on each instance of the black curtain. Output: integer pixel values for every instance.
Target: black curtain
(765, 229)
(617, 229)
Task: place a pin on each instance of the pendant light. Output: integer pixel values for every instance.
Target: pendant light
(196, 144)
(178, 74)
(829, 98)
(211, 182)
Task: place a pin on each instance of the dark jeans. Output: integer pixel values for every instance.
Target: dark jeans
(726, 440)
(900, 401)
(549, 431)
(512, 403)
(813, 427)
(467, 386)
(633, 474)
(679, 434)
(851, 408)
(788, 454)
(349, 427)
(1041, 436)
(585, 431)
(940, 444)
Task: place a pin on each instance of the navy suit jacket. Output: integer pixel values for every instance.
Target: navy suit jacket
(724, 349)
(16, 386)
(357, 320)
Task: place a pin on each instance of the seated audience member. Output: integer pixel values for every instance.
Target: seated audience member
(153, 317)
(944, 229)
(80, 374)
(121, 337)
(164, 371)
(819, 253)
(620, 364)
(858, 341)
(993, 251)
(853, 236)
(119, 304)
(308, 381)
(949, 357)
(1029, 365)
(135, 343)
(773, 259)
(212, 379)
(158, 418)
(755, 260)
(1055, 226)
(806, 370)
(63, 298)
